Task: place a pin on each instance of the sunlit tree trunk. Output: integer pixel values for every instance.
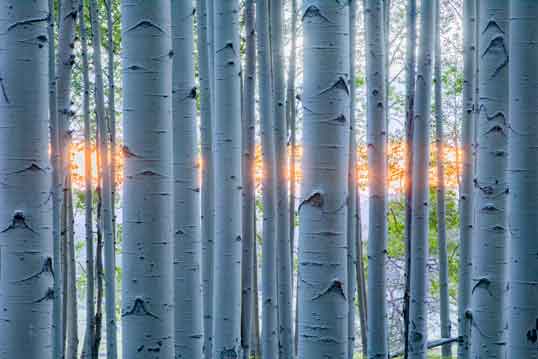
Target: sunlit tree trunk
(466, 188)
(147, 290)
(270, 329)
(56, 190)
(418, 316)
(377, 172)
(187, 242)
(285, 298)
(88, 219)
(352, 183)
(522, 180)
(489, 246)
(205, 74)
(323, 297)
(106, 189)
(249, 186)
(441, 210)
(26, 265)
(227, 262)
(410, 65)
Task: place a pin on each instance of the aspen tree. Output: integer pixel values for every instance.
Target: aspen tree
(418, 328)
(147, 290)
(522, 176)
(26, 263)
(323, 299)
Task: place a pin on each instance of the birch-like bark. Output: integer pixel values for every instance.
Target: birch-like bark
(227, 262)
(270, 330)
(410, 66)
(255, 340)
(361, 280)
(56, 190)
(71, 285)
(323, 297)
(491, 188)
(352, 183)
(418, 316)
(285, 297)
(88, 204)
(205, 74)
(106, 193)
(26, 263)
(148, 219)
(466, 188)
(377, 173)
(249, 185)
(109, 4)
(522, 174)
(444, 311)
(187, 232)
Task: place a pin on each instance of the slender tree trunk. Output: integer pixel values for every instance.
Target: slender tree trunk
(361, 280)
(489, 245)
(441, 210)
(107, 221)
(377, 174)
(255, 342)
(291, 123)
(352, 184)
(323, 297)
(111, 113)
(68, 12)
(72, 314)
(249, 187)
(410, 65)
(285, 297)
(418, 316)
(56, 190)
(99, 274)
(522, 180)
(206, 63)
(466, 188)
(148, 295)
(26, 266)
(227, 270)
(187, 244)
(270, 327)
(88, 205)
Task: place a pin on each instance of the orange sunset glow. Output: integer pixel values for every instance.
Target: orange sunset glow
(396, 161)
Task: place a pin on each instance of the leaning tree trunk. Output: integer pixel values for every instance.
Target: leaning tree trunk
(489, 245)
(227, 265)
(352, 215)
(26, 268)
(187, 232)
(249, 185)
(418, 316)
(441, 208)
(360, 280)
(88, 204)
(377, 174)
(269, 276)
(323, 307)
(189, 338)
(147, 291)
(523, 180)
(466, 188)
(205, 75)
(284, 273)
(410, 65)
(107, 215)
